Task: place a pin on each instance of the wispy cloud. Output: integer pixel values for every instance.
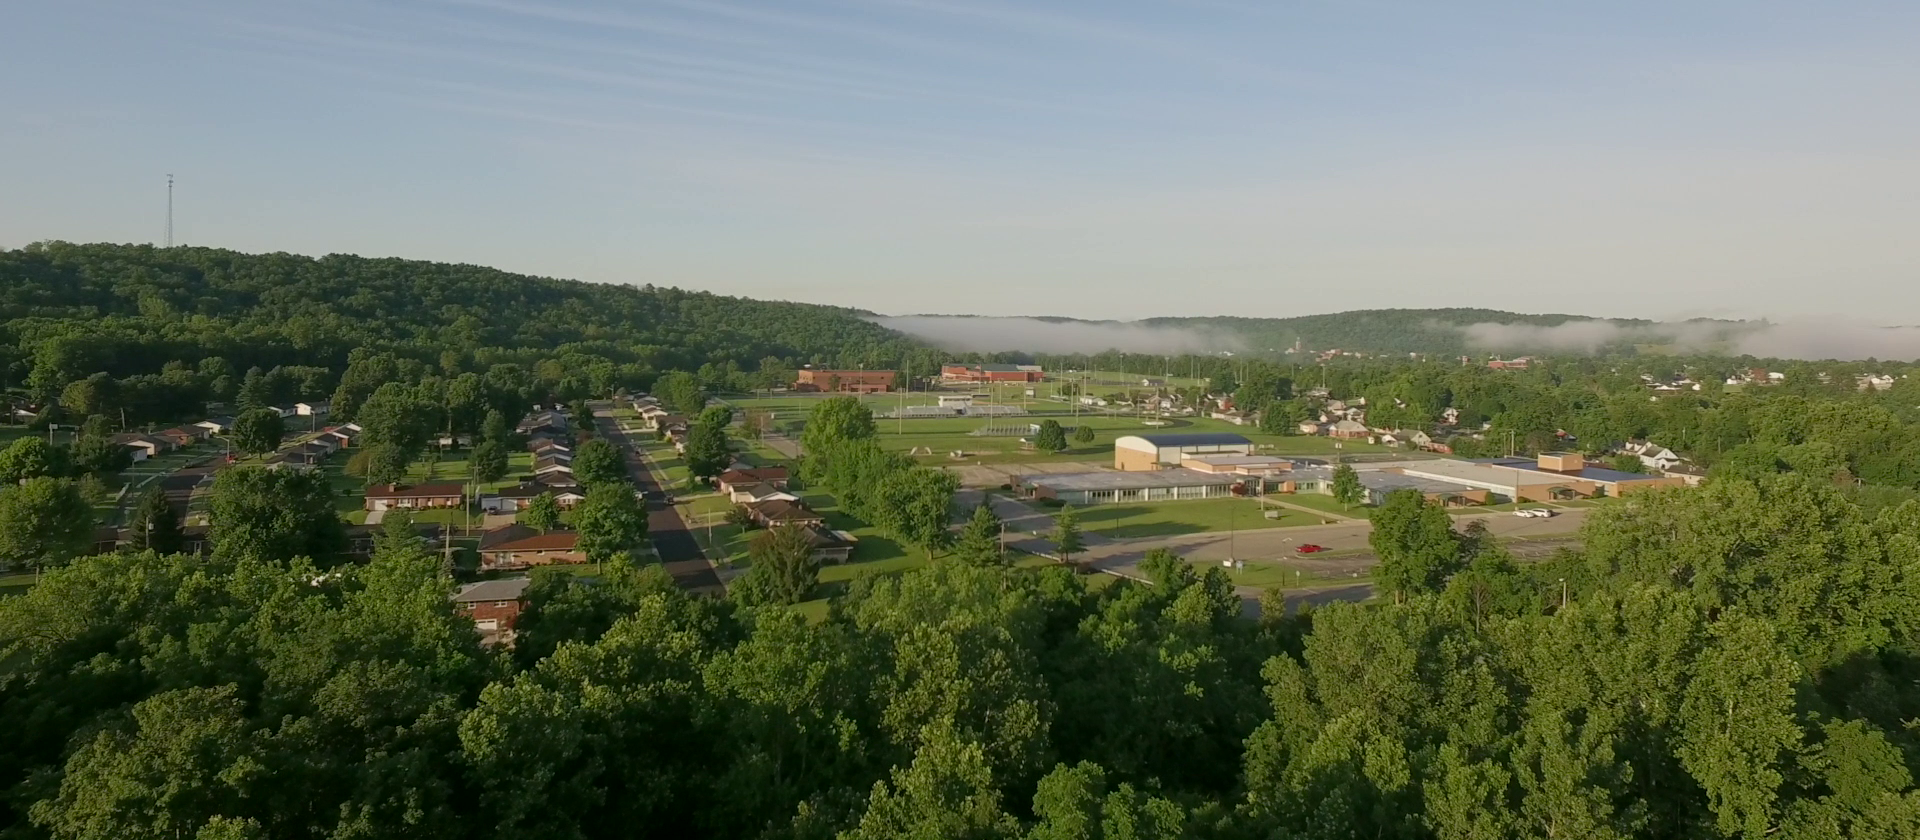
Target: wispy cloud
(1811, 339)
(1035, 335)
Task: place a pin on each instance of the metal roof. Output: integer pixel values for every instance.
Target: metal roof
(1196, 439)
(1130, 480)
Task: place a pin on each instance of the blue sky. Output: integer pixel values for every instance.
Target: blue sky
(1102, 159)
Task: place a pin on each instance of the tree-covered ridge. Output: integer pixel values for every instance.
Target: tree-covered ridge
(141, 306)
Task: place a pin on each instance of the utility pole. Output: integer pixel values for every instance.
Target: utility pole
(169, 209)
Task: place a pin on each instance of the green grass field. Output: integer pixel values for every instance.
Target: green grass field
(945, 435)
(1326, 503)
(1161, 519)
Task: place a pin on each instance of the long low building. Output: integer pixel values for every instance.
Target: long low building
(1120, 487)
(1378, 483)
(1550, 477)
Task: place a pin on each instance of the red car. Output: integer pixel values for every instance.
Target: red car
(1310, 548)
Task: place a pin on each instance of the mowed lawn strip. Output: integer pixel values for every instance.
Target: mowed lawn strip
(1173, 518)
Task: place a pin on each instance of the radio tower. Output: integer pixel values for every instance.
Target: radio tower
(169, 209)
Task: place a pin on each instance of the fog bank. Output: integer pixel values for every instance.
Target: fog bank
(970, 334)
(1805, 339)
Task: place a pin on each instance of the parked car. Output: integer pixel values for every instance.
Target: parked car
(1534, 513)
(1310, 548)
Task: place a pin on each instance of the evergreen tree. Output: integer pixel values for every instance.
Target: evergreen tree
(1084, 434)
(783, 569)
(980, 540)
(153, 525)
(1347, 489)
(1052, 437)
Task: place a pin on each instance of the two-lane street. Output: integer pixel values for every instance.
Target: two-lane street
(679, 553)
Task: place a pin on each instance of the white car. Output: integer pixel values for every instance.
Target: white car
(1534, 513)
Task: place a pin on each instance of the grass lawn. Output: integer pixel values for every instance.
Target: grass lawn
(1160, 519)
(1326, 503)
(1270, 574)
(15, 584)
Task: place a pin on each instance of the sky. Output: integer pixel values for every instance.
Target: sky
(1114, 159)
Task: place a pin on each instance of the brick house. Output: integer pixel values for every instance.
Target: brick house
(399, 497)
(521, 547)
(844, 381)
(775, 476)
(777, 512)
(494, 606)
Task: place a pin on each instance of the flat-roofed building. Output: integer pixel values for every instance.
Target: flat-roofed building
(1122, 487)
(1262, 465)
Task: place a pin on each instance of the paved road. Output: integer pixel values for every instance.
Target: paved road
(679, 553)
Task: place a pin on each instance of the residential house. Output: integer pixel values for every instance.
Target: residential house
(1234, 416)
(733, 478)
(831, 546)
(419, 496)
(1348, 430)
(144, 446)
(216, 425)
(1653, 456)
(553, 421)
(516, 498)
(494, 606)
(1311, 428)
(344, 435)
(183, 436)
(520, 547)
(554, 453)
(317, 408)
(285, 411)
(754, 493)
(1875, 382)
(551, 466)
(772, 514)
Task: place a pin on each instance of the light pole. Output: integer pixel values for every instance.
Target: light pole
(1563, 593)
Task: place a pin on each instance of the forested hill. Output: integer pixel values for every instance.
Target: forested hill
(1373, 330)
(135, 307)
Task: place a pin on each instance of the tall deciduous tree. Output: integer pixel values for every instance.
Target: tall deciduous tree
(1066, 535)
(43, 522)
(1415, 542)
(708, 451)
(542, 512)
(611, 522)
(1052, 437)
(258, 430)
(681, 392)
(783, 569)
(274, 515)
(28, 457)
(489, 461)
(598, 462)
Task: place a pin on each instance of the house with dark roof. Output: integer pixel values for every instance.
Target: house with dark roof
(143, 446)
(400, 497)
(520, 547)
(777, 512)
(775, 476)
(750, 493)
(494, 606)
